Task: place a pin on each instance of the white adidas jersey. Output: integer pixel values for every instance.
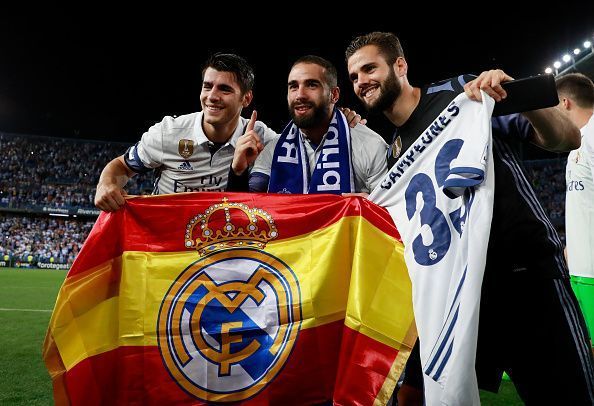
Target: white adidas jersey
(179, 149)
(440, 195)
(579, 205)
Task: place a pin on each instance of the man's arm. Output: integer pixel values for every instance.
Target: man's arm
(110, 193)
(352, 117)
(553, 130)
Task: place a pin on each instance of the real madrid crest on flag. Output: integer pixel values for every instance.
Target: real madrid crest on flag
(192, 299)
(229, 321)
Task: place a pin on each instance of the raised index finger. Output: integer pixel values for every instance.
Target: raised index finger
(252, 122)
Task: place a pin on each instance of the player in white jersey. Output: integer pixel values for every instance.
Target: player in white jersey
(192, 152)
(440, 194)
(576, 98)
(525, 271)
(317, 152)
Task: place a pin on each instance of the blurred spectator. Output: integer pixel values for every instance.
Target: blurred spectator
(37, 172)
(548, 180)
(37, 238)
(55, 172)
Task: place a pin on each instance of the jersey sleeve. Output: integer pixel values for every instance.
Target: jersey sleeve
(260, 173)
(374, 156)
(512, 125)
(265, 133)
(258, 182)
(464, 79)
(237, 183)
(147, 153)
(455, 84)
(264, 161)
(469, 166)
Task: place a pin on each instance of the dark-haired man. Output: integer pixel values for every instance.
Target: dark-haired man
(317, 152)
(576, 99)
(530, 323)
(191, 152)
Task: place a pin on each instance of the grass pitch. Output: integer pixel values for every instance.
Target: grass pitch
(27, 297)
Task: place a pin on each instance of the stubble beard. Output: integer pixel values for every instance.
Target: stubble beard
(390, 90)
(316, 116)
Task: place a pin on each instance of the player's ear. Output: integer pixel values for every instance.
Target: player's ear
(334, 95)
(400, 67)
(247, 98)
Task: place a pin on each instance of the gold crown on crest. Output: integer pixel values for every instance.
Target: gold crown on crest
(216, 233)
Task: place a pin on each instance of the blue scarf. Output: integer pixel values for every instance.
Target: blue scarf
(333, 172)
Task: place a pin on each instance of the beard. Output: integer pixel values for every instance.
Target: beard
(316, 116)
(390, 90)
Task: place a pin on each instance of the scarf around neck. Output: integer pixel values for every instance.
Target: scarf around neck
(290, 171)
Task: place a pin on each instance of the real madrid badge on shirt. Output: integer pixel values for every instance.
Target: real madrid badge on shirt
(186, 148)
(396, 147)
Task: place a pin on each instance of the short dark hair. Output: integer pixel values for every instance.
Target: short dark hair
(235, 64)
(331, 75)
(577, 87)
(387, 43)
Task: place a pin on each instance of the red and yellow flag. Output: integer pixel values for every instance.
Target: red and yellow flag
(211, 297)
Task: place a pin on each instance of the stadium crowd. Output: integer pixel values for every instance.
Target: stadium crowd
(548, 180)
(55, 172)
(32, 239)
(37, 172)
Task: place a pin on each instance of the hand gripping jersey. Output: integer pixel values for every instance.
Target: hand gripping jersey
(440, 195)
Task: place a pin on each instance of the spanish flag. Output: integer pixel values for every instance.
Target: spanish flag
(245, 298)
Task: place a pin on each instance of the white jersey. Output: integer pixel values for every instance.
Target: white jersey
(181, 153)
(368, 157)
(579, 205)
(440, 195)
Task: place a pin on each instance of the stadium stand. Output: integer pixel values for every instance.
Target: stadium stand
(38, 174)
(44, 176)
(548, 179)
(41, 241)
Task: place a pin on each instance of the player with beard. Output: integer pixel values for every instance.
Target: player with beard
(317, 152)
(193, 152)
(530, 324)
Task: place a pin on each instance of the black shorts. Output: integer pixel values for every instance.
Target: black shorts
(532, 329)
